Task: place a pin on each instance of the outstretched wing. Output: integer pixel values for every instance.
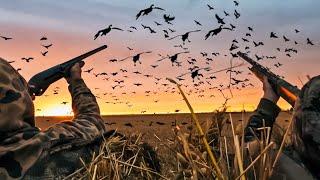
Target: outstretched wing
(159, 8)
(97, 34)
(117, 28)
(139, 14)
(208, 35)
(174, 37)
(126, 58)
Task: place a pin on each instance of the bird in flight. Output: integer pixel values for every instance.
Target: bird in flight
(184, 36)
(158, 24)
(27, 59)
(197, 23)
(47, 46)
(286, 39)
(273, 35)
(43, 38)
(220, 20)
(309, 42)
(105, 31)
(236, 3)
(210, 7)
(148, 27)
(44, 53)
(148, 10)
(236, 14)
(215, 32)
(173, 58)
(168, 18)
(5, 38)
(136, 58)
(88, 71)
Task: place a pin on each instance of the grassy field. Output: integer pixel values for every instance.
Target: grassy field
(160, 131)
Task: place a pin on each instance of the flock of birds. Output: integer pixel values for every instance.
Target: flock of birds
(199, 75)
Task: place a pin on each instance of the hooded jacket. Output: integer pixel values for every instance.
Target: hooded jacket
(22, 145)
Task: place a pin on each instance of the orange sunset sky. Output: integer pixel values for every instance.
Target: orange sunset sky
(71, 25)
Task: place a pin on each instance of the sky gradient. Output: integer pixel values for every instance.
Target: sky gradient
(71, 25)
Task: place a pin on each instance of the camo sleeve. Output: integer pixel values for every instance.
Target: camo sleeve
(87, 122)
(265, 115)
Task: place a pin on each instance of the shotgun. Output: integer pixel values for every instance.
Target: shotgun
(284, 89)
(40, 82)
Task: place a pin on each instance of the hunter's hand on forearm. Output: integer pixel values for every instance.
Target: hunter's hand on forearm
(75, 72)
(269, 93)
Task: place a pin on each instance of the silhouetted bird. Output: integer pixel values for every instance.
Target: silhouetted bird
(184, 36)
(232, 26)
(236, 14)
(88, 71)
(137, 84)
(250, 28)
(220, 20)
(44, 53)
(5, 38)
(309, 42)
(273, 35)
(47, 46)
(27, 59)
(158, 24)
(296, 30)
(168, 18)
(148, 10)
(136, 58)
(286, 39)
(197, 22)
(105, 31)
(214, 32)
(172, 30)
(173, 58)
(236, 3)
(226, 14)
(210, 7)
(43, 38)
(148, 27)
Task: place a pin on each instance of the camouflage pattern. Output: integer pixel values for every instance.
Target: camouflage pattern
(22, 145)
(264, 116)
(305, 129)
(306, 126)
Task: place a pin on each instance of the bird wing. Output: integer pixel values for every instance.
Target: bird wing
(97, 34)
(125, 58)
(139, 14)
(159, 8)
(117, 28)
(175, 37)
(208, 34)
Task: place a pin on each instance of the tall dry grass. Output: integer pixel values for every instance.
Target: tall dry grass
(212, 150)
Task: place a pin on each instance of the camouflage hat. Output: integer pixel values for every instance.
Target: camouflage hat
(16, 106)
(306, 126)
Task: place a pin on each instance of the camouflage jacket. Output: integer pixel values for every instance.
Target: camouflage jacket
(264, 116)
(25, 151)
(288, 166)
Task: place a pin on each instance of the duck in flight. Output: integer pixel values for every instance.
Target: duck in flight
(184, 36)
(5, 38)
(148, 10)
(136, 58)
(220, 20)
(168, 18)
(214, 32)
(105, 31)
